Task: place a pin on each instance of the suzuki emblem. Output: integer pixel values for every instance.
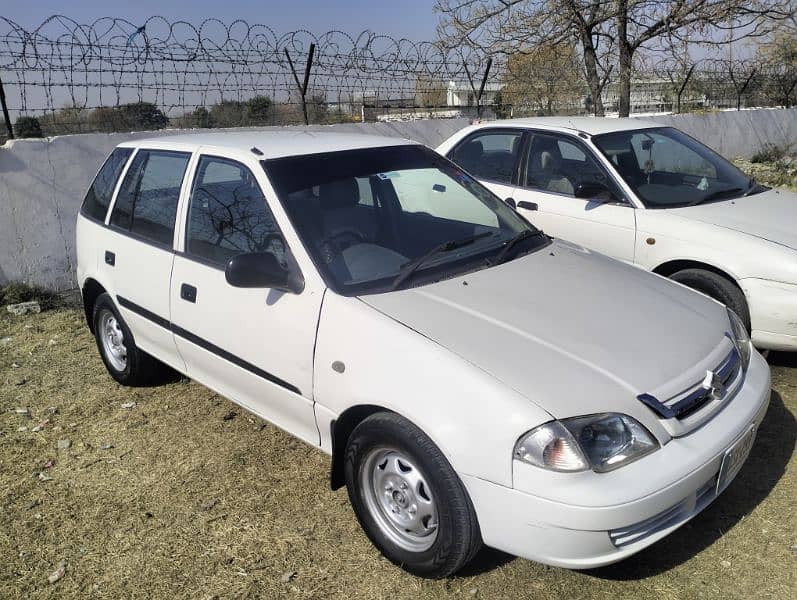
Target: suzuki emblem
(713, 384)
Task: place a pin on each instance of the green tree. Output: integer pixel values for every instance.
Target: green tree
(258, 110)
(28, 127)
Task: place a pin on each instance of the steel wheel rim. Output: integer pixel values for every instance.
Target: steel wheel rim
(113, 340)
(399, 499)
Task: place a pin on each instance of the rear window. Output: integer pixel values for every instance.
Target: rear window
(147, 201)
(95, 205)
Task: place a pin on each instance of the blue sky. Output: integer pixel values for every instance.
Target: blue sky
(413, 19)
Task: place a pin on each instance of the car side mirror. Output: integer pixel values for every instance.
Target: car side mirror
(593, 190)
(262, 270)
(510, 202)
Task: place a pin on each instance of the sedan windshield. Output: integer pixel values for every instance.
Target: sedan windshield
(667, 169)
(378, 219)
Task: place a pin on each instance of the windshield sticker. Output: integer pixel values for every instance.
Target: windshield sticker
(390, 175)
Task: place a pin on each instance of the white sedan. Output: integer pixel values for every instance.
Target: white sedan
(472, 380)
(651, 196)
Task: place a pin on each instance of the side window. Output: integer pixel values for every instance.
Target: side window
(490, 155)
(95, 205)
(147, 201)
(228, 214)
(556, 164)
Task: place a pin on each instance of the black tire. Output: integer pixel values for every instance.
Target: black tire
(718, 287)
(458, 538)
(140, 369)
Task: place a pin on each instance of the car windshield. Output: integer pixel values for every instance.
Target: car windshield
(667, 169)
(377, 219)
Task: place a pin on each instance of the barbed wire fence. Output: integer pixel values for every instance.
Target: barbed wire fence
(114, 75)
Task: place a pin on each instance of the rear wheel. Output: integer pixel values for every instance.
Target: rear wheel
(126, 363)
(718, 287)
(408, 498)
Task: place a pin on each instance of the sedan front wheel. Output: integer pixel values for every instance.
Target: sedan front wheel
(408, 498)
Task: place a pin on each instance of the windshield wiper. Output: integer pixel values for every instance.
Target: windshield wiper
(716, 195)
(523, 235)
(408, 269)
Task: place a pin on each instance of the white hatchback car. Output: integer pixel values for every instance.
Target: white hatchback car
(652, 196)
(472, 379)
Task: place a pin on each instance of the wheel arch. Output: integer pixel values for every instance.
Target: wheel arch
(91, 290)
(341, 428)
(669, 268)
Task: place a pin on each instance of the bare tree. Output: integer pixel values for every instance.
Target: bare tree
(608, 32)
(544, 80)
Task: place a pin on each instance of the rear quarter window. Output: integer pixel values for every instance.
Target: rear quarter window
(98, 198)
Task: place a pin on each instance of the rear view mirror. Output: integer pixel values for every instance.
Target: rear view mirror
(262, 270)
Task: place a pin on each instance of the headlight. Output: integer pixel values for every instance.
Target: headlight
(599, 442)
(741, 338)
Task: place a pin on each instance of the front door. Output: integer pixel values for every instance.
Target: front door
(252, 345)
(555, 166)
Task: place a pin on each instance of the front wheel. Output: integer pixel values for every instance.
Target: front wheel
(408, 498)
(718, 287)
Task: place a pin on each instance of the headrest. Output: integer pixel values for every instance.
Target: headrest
(339, 194)
(548, 162)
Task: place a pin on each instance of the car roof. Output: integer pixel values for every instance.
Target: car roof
(272, 144)
(588, 125)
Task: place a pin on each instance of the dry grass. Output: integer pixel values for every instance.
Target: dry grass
(187, 504)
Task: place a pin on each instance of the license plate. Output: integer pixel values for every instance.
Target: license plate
(734, 458)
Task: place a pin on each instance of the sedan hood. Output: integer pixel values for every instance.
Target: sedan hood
(770, 215)
(574, 331)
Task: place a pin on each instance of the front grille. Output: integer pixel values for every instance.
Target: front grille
(720, 384)
(676, 515)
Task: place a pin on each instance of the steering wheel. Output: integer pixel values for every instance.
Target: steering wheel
(337, 242)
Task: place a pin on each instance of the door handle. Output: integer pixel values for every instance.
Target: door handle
(110, 258)
(527, 205)
(188, 292)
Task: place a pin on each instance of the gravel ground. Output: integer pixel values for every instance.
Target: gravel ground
(176, 492)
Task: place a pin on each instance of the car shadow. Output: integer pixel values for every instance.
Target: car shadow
(486, 560)
(782, 359)
(768, 460)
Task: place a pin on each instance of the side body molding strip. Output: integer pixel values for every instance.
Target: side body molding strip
(203, 343)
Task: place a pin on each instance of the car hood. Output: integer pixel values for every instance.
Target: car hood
(770, 215)
(572, 330)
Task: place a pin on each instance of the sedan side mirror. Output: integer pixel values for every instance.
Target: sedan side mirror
(262, 270)
(593, 190)
(510, 202)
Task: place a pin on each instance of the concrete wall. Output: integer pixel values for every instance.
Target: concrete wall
(42, 182)
(739, 133)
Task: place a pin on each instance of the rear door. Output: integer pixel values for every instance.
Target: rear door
(553, 167)
(137, 247)
(491, 156)
(255, 346)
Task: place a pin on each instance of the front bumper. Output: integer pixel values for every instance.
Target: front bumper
(587, 520)
(773, 313)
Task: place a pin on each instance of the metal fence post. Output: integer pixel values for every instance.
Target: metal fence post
(5, 111)
(303, 86)
(478, 94)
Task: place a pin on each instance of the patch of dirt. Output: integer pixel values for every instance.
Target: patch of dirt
(169, 498)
